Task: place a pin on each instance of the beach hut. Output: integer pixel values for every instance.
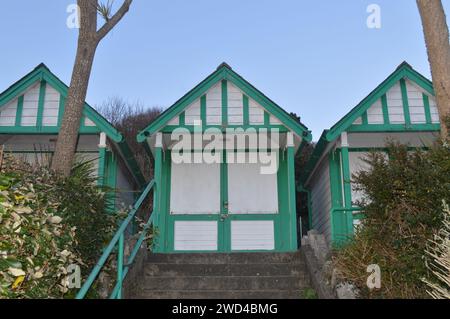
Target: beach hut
(224, 170)
(30, 119)
(403, 109)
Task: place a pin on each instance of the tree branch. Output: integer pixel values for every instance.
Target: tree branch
(111, 23)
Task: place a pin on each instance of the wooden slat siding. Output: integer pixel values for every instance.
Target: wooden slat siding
(252, 235)
(214, 105)
(256, 113)
(192, 113)
(395, 105)
(30, 106)
(434, 110)
(375, 113)
(235, 105)
(356, 165)
(249, 191)
(196, 236)
(195, 189)
(416, 103)
(50, 113)
(8, 113)
(321, 199)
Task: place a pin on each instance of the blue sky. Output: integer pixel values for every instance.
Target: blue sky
(315, 58)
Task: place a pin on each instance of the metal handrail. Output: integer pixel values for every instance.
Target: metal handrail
(119, 240)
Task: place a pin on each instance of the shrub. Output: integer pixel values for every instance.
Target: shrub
(48, 222)
(402, 213)
(36, 245)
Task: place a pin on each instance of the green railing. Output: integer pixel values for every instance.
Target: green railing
(119, 241)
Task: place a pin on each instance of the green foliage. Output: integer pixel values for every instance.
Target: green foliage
(48, 222)
(310, 293)
(403, 212)
(36, 245)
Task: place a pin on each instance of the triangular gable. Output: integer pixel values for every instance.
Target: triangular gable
(35, 104)
(384, 110)
(391, 89)
(209, 95)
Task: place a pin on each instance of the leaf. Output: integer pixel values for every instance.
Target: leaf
(16, 272)
(55, 220)
(18, 281)
(23, 210)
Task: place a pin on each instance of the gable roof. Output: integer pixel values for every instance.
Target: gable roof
(404, 70)
(225, 72)
(43, 73)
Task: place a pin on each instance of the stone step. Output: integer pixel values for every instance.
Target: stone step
(212, 283)
(179, 270)
(233, 258)
(222, 294)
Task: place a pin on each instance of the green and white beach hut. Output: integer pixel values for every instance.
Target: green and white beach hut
(402, 108)
(30, 118)
(217, 198)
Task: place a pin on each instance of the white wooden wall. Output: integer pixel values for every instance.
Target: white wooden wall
(395, 105)
(321, 199)
(50, 113)
(8, 114)
(252, 235)
(196, 236)
(51, 107)
(195, 189)
(250, 192)
(30, 106)
(235, 111)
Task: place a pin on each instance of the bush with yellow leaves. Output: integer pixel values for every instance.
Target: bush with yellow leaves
(35, 243)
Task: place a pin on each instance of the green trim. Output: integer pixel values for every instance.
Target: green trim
(41, 103)
(43, 130)
(266, 118)
(426, 103)
(402, 72)
(182, 119)
(346, 174)
(292, 198)
(101, 166)
(19, 111)
(365, 119)
(157, 191)
(224, 73)
(405, 102)
(385, 109)
(394, 128)
(338, 223)
(192, 128)
(203, 111)
(224, 102)
(246, 110)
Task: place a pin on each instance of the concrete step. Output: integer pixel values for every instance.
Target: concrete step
(212, 283)
(222, 294)
(179, 270)
(233, 258)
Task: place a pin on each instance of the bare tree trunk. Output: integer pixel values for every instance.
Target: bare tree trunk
(88, 40)
(437, 41)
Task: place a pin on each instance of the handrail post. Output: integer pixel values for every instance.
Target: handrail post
(120, 265)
